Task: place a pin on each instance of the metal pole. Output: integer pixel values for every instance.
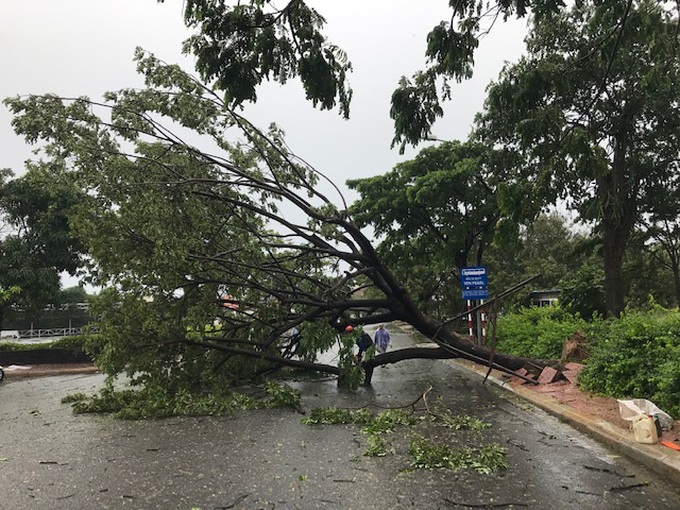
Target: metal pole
(483, 318)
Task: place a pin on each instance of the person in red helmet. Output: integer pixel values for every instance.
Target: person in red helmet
(363, 341)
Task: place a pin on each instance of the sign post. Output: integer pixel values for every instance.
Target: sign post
(474, 283)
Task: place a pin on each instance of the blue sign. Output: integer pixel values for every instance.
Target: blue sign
(476, 293)
(473, 276)
(474, 281)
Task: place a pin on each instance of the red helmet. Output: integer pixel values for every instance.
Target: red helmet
(349, 329)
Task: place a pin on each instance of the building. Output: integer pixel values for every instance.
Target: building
(545, 297)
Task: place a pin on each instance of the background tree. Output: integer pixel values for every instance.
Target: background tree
(660, 233)
(593, 112)
(647, 273)
(433, 215)
(38, 245)
(550, 247)
(582, 292)
(74, 295)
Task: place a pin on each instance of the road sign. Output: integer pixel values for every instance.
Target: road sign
(473, 276)
(474, 281)
(475, 294)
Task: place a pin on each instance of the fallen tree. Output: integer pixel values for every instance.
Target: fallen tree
(245, 237)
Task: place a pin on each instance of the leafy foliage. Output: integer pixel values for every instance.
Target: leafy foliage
(537, 332)
(350, 371)
(425, 453)
(637, 356)
(174, 230)
(433, 215)
(583, 292)
(416, 103)
(485, 459)
(548, 247)
(239, 46)
(653, 261)
(587, 114)
(38, 243)
(460, 422)
(156, 402)
(335, 416)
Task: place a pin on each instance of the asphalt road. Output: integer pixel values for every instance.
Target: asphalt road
(50, 458)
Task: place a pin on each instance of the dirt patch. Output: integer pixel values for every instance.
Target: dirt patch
(606, 408)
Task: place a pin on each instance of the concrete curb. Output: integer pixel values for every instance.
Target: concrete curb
(40, 372)
(660, 459)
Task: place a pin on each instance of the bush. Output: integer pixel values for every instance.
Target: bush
(537, 332)
(75, 343)
(637, 356)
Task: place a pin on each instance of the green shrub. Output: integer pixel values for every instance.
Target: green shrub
(537, 332)
(637, 356)
(74, 342)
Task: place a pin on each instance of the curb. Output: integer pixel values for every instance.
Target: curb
(38, 372)
(652, 456)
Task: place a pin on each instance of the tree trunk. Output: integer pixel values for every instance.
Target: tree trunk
(613, 248)
(500, 360)
(619, 211)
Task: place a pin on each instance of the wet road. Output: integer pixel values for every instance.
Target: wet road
(52, 459)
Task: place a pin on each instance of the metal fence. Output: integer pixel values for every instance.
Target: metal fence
(51, 332)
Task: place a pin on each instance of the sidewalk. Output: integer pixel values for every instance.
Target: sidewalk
(659, 458)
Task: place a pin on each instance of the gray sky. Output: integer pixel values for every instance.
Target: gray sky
(85, 47)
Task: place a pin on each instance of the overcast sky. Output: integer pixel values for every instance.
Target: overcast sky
(85, 47)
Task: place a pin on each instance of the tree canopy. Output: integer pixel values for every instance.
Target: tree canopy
(592, 113)
(238, 45)
(37, 246)
(433, 215)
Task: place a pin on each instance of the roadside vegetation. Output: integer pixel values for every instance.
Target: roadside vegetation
(74, 342)
(634, 356)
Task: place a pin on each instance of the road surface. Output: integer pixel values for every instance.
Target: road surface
(50, 458)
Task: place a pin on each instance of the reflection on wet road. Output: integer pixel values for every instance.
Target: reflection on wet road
(50, 458)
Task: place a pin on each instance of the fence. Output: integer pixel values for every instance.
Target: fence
(51, 332)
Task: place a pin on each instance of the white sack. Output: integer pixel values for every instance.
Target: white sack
(631, 409)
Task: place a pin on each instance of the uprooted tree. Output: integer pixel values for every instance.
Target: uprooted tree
(245, 233)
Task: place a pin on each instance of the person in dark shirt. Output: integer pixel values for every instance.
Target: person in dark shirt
(363, 341)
